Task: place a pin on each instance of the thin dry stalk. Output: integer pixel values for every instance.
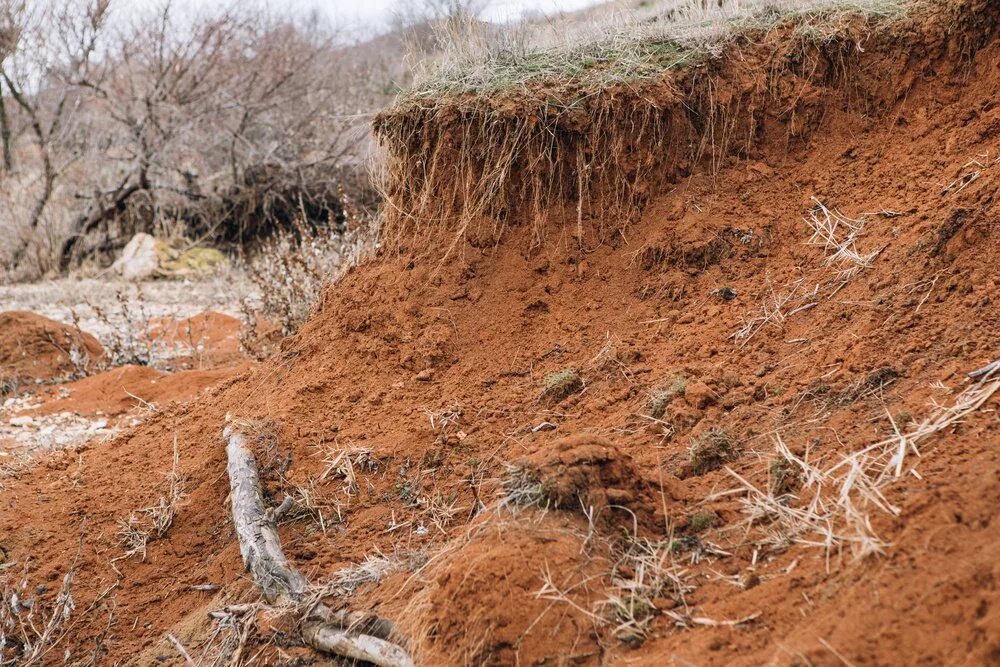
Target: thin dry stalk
(833, 506)
(346, 463)
(151, 523)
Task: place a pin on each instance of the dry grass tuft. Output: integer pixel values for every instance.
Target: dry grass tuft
(522, 488)
(151, 523)
(832, 507)
(560, 385)
(346, 463)
(644, 574)
(838, 235)
(711, 450)
(371, 570)
(659, 399)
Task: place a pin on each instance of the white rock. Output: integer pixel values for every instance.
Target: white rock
(139, 259)
(22, 421)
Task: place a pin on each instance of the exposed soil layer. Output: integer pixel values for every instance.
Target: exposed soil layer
(33, 347)
(433, 388)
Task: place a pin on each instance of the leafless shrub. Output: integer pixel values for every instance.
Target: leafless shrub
(130, 338)
(217, 124)
(293, 267)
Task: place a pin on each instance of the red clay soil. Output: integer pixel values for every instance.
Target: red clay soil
(213, 339)
(443, 370)
(120, 390)
(33, 347)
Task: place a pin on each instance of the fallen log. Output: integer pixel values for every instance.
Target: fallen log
(336, 632)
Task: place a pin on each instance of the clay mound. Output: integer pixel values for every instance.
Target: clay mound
(35, 348)
(473, 609)
(591, 474)
(206, 340)
(120, 390)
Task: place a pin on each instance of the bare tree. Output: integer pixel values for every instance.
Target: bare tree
(52, 45)
(174, 124)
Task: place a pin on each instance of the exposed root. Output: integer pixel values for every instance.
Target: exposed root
(280, 583)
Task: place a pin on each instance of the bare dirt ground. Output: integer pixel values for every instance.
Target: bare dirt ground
(742, 431)
(184, 333)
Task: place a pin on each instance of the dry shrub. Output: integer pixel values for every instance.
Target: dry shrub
(292, 268)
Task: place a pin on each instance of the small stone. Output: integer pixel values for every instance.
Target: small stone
(425, 375)
(749, 580)
(22, 421)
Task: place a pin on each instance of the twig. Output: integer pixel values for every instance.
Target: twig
(180, 649)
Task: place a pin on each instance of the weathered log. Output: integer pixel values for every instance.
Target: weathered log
(337, 632)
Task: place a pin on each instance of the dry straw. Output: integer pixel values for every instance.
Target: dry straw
(833, 507)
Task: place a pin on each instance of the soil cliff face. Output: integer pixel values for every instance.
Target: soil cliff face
(583, 451)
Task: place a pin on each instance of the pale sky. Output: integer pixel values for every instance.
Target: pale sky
(367, 16)
(375, 13)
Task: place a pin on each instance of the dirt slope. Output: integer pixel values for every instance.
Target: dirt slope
(446, 370)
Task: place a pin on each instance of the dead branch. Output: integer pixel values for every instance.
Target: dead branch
(281, 584)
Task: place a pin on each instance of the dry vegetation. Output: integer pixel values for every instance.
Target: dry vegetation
(220, 127)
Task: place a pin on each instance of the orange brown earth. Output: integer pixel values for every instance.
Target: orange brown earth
(35, 348)
(504, 427)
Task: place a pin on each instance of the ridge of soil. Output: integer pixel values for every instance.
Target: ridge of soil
(439, 370)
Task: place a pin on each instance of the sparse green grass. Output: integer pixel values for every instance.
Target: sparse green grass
(595, 65)
(660, 398)
(561, 384)
(711, 450)
(626, 49)
(702, 520)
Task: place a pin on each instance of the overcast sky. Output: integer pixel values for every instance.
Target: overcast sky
(375, 13)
